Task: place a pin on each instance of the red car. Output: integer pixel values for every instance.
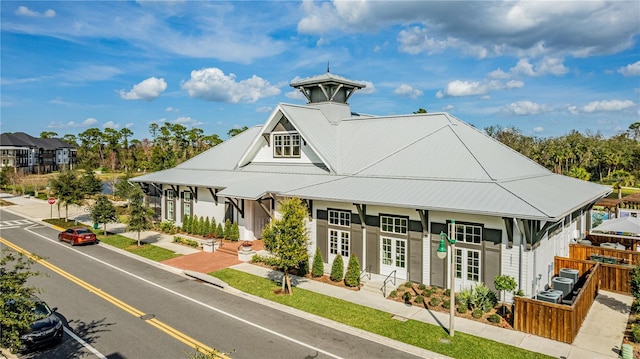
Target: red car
(78, 235)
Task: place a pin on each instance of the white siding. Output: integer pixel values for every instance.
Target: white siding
(307, 156)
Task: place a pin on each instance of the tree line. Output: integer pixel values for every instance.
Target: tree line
(588, 156)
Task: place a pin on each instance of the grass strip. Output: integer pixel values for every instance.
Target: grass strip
(419, 334)
(146, 250)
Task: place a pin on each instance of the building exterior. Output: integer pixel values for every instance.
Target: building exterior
(384, 188)
(30, 155)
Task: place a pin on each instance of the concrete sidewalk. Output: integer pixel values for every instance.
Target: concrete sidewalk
(600, 336)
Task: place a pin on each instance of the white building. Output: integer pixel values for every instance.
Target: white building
(383, 188)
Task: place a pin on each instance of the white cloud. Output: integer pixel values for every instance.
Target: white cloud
(498, 74)
(572, 109)
(147, 90)
(548, 65)
(407, 91)
(212, 84)
(522, 108)
(608, 106)
(25, 11)
(460, 88)
(538, 129)
(295, 95)
(447, 108)
(89, 122)
(630, 70)
(186, 120)
(481, 28)
(110, 124)
(172, 109)
(369, 88)
(264, 109)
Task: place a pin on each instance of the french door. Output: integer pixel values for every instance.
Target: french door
(467, 268)
(393, 256)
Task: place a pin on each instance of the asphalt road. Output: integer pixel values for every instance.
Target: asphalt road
(101, 295)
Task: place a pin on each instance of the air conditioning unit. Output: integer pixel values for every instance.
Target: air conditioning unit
(563, 284)
(550, 296)
(573, 274)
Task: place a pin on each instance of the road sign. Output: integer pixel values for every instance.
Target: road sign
(51, 200)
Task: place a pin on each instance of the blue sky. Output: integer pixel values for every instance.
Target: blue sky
(544, 67)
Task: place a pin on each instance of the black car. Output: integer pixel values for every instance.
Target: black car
(45, 331)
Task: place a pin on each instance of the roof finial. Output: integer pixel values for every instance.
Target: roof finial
(328, 66)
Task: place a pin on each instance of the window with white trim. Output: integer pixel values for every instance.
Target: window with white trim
(339, 242)
(286, 145)
(169, 195)
(468, 233)
(170, 210)
(393, 224)
(187, 204)
(339, 218)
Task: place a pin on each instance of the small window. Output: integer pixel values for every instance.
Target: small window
(286, 145)
(339, 218)
(393, 224)
(468, 233)
(170, 195)
(187, 196)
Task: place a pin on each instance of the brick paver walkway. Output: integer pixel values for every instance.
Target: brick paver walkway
(225, 256)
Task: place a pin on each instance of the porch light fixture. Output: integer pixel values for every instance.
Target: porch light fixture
(442, 254)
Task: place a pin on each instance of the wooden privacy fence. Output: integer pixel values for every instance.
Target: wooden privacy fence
(629, 243)
(579, 251)
(556, 321)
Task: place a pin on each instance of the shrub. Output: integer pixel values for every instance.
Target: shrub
(419, 299)
(408, 284)
(422, 286)
(446, 304)
(477, 313)
(482, 298)
(227, 228)
(462, 309)
(337, 269)
(318, 264)
(201, 226)
(187, 241)
(185, 224)
(166, 226)
(352, 278)
(635, 282)
(435, 301)
(219, 231)
(494, 318)
(212, 228)
(195, 225)
(447, 292)
(635, 333)
(393, 294)
(303, 267)
(406, 296)
(428, 292)
(205, 228)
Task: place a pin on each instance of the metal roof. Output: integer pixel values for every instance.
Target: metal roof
(424, 161)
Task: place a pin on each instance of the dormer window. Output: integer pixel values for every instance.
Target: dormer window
(286, 145)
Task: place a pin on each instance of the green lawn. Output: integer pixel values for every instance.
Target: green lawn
(412, 332)
(148, 251)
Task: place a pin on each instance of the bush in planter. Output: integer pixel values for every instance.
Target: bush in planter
(447, 292)
(446, 304)
(435, 301)
(477, 313)
(462, 309)
(352, 278)
(635, 333)
(422, 286)
(337, 269)
(408, 284)
(419, 299)
(393, 294)
(494, 318)
(406, 296)
(219, 231)
(318, 264)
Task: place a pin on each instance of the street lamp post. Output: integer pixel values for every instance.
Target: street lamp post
(442, 254)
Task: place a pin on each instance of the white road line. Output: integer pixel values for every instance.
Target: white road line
(193, 300)
(84, 344)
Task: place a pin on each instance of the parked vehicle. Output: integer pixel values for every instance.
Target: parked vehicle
(46, 330)
(78, 235)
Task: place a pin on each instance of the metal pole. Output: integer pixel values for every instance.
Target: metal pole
(50, 211)
(452, 300)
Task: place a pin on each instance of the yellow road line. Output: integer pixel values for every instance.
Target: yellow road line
(118, 303)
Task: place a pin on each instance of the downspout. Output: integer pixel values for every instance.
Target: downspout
(520, 250)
